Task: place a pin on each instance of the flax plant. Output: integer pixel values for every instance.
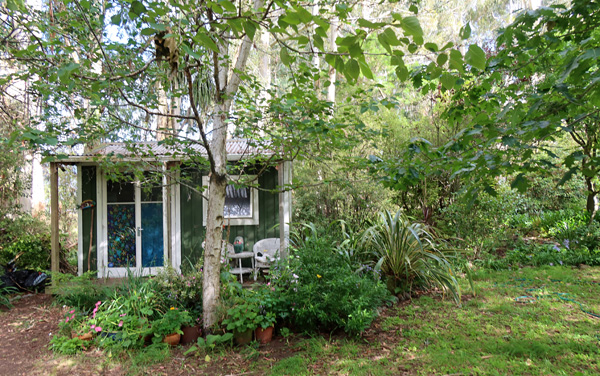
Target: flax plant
(408, 255)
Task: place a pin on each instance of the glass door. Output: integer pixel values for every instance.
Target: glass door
(135, 231)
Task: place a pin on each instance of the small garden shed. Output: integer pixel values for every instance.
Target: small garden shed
(126, 224)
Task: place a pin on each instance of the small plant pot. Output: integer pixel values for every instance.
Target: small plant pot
(243, 338)
(172, 339)
(190, 334)
(264, 335)
(86, 336)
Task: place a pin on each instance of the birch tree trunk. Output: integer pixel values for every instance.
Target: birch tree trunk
(227, 84)
(333, 32)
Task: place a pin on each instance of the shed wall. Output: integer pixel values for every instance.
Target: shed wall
(193, 232)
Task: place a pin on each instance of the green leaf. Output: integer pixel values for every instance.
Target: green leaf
(520, 183)
(442, 59)
(302, 40)
(567, 176)
(206, 41)
(456, 61)
(64, 73)
(402, 73)
(15, 5)
(116, 19)
(384, 43)
(137, 8)
(190, 52)
(228, 6)
(431, 47)
(413, 8)
(364, 68)
(250, 29)
(291, 18)
(355, 50)
(447, 81)
(353, 69)
(411, 26)
(303, 14)
(465, 32)
(368, 24)
(286, 59)
(318, 42)
(148, 31)
(390, 37)
(476, 57)
(330, 59)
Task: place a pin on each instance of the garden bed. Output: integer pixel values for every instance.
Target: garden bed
(493, 332)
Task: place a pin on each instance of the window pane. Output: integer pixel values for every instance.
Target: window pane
(237, 202)
(120, 191)
(151, 188)
(121, 235)
(152, 235)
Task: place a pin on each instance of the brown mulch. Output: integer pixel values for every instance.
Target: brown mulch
(25, 333)
(29, 326)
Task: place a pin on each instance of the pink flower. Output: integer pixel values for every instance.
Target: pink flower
(122, 314)
(73, 311)
(67, 320)
(120, 323)
(98, 329)
(73, 317)
(92, 327)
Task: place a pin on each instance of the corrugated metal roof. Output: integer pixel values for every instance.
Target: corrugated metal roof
(236, 149)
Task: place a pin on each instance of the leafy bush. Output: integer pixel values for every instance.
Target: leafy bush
(408, 255)
(33, 252)
(543, 254)
(66, 345)
(12, 228)
(182, 291)
(81, 292)
(322, 292)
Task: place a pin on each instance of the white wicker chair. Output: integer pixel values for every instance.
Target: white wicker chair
(266, 252)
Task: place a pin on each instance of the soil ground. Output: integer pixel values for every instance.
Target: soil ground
(26, 331)
(29, 326)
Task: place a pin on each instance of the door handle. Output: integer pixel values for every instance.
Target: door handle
(139, 231)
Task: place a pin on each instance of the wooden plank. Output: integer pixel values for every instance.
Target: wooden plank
(54, 217)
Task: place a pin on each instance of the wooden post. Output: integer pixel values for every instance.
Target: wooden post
(55, 254)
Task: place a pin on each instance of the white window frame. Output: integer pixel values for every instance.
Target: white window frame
(234, 221)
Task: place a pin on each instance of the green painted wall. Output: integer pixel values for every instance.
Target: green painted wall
(192, 230)
(88, 192)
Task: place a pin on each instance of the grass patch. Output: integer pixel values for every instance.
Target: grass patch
(496, 332)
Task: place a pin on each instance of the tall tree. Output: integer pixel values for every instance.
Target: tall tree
(206, 46)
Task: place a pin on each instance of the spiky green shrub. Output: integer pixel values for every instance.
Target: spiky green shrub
(407, 254)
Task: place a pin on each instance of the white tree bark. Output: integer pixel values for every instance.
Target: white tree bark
(333, 32)
(227, 85)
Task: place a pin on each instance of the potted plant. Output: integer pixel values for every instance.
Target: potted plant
(73, 327)
(193, 329)
(264, 322)
(168, 328)
(241, 321)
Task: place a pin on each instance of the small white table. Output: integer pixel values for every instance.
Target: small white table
(239, 269)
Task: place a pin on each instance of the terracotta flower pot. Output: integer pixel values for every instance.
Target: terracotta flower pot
(86, 336)
(243, 338)
(264, 335)
(172, 339)
(190, 334)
